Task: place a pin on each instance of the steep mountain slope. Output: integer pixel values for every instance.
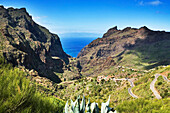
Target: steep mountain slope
(27, 44)
(135, 48)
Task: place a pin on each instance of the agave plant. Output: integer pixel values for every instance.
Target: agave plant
(83, 104)
(94, 108)
(105, 107)
(76, 107)
(66, 108)
(88, 107)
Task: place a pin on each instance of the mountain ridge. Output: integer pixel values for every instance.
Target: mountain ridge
(128, 47)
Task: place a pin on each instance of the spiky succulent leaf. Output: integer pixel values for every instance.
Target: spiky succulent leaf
(94, 108)
(105, 107)
(107, 103)
(73, 105)
(88, 106)
(93, 105)
(97, 108)
(66, 107)
(77, 107)
(82, 106)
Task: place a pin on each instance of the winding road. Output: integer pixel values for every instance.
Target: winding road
(130, 89)
(165, 78)
(152, 87)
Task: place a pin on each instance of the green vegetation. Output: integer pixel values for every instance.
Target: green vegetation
(163, 87)
(144, 106)
(98, 92)
(1, 42)
(120, 98)
(148, 56)
(18, 94)
(142, 85)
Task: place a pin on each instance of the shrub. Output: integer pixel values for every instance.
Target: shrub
(144, 106)
(18, 94)
(159, 83)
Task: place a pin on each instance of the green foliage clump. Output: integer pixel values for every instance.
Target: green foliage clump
(163, 87)
(18, 94)
(144, 106)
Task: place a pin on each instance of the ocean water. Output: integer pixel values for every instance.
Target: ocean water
(73, 46)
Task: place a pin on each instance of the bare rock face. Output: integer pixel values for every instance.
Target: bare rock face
(25, 43)
(137, 48)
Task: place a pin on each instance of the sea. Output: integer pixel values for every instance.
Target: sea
(73, 46)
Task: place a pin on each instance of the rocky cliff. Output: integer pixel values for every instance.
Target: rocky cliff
(135, 48)
(27, 44)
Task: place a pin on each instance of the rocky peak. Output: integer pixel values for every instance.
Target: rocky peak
(1, 6)
(14, 9)
(126, 29)
(144, 28)
(20, 10)
(113, 29)
(110, 31)
(144, 31)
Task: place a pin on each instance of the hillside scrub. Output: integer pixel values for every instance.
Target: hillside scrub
(163, 87)
(142, 85)
(144, 106)
(18, 94)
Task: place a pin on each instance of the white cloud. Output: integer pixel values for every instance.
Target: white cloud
(155, 3)
(7, 6)
(39, 17)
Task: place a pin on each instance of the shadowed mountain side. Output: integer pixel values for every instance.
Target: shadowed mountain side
(153, 50)
(27, 44)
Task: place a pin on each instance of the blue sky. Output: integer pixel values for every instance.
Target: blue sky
(95, 17)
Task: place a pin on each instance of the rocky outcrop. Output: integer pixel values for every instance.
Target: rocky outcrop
(25, 43)
(128, 47)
